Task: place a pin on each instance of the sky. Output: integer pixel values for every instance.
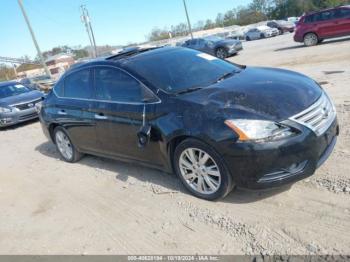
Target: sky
(115, 22)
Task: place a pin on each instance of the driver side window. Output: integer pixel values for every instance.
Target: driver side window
(112, 84)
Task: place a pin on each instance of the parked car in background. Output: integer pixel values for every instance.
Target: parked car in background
(315, 27)
(17, 103)
(293, 19)
(282, 26)
(214, 45)
(43, 83)
(253, 34)
(268, 31)
(237, 34)
(215, 124)
(260, 32)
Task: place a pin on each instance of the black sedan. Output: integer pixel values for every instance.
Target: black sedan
(17, 103)
(215, 124)
(216, 46)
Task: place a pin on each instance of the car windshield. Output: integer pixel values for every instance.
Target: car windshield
(177, 70)
(12, 90)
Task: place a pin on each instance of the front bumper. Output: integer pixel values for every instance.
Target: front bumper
(271, 164)
(235, 49)
(16, 117)
(298, 37)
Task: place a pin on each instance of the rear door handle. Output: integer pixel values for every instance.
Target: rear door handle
(100, 116)
(62, 112)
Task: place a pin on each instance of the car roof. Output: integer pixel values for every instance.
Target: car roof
(121, 57)
(6, 83)
(327, 9)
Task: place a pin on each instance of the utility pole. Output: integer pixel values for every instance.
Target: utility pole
(14, 69)
(34, 39)
(86, 20)
(188, 19)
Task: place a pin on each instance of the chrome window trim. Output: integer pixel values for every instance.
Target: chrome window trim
(107, 101)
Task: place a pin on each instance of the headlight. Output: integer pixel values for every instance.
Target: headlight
(5, 110)
(248, 130)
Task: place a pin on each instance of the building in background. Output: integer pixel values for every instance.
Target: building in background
(58, 64)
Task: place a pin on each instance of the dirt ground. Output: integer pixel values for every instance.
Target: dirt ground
(100, 206)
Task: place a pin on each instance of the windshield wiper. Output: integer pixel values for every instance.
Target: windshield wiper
(225, 76)
(189, 90)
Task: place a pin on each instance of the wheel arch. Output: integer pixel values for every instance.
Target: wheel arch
(52, 127)
(310, 32)
(175, 141)
(221, 47)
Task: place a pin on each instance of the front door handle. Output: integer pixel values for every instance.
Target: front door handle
(100, 116)
(62, 112)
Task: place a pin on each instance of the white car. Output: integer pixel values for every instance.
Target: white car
(268, 31)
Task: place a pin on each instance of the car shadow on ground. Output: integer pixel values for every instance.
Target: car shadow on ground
(19, 125)
(331, 41)
(161, 182)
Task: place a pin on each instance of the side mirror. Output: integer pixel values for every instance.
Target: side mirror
(144, 135)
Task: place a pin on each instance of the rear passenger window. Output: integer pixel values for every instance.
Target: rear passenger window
(115, 85)
(77, 85)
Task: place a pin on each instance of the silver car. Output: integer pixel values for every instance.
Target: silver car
(17, 103)
(260, 32)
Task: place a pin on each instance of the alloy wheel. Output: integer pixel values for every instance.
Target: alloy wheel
(64, 145)
(200, 171)
(310, 39)
(221, 53)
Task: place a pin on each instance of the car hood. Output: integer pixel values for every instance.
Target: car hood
(258, 93)
(22, 98)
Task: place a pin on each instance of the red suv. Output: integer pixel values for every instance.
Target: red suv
(315, 27)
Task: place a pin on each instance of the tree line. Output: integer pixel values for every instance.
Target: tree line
(256, 11)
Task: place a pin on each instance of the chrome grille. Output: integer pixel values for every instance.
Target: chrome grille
(317, 117)
(27, 105)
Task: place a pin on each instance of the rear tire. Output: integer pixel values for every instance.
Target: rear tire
(311, 39)
(201, 170)
(65, 147)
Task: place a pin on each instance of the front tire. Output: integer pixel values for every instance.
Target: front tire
(201, 170)
(310, 39)
(65, 146)
(221, 53)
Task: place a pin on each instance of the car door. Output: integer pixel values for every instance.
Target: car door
(201, 46)
(119, 114)
(342, 16)
(72, 108)
(256, 34)
(327, 24)
(193, 44)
